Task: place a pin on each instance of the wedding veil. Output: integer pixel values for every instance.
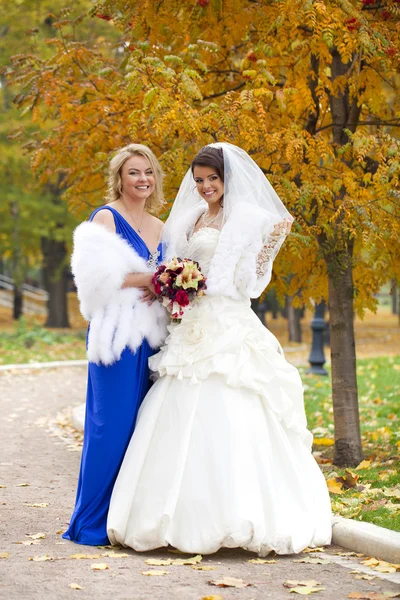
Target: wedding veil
(244, 183)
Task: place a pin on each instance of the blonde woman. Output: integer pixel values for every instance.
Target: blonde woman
(115, 255)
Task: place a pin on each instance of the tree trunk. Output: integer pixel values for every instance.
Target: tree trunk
(394, 297)
(348, 451)
(55, 276)
(294, 324)
(260, 309)
(17, 302)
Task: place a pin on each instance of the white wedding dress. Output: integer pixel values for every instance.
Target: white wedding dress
(221, 456)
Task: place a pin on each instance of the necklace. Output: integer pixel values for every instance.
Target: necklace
(208, 223)
(139, 229)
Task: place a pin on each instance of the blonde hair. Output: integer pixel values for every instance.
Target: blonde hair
(156, 200)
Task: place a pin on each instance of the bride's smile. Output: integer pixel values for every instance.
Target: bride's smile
(209, 185)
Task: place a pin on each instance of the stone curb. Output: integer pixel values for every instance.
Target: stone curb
(44, 365)
(367, 538)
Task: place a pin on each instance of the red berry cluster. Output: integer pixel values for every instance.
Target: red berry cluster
(203, 3)
(386, 14)
(104, 17)
(252, 57)
(352, 24)
(391, 51)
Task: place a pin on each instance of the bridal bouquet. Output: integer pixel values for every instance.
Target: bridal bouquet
(177, 283)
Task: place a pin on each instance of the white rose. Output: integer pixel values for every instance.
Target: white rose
(193, 333)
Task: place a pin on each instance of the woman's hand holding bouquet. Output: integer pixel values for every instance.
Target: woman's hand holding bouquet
(177, 283)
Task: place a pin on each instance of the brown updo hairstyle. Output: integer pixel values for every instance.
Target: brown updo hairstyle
(210, 157)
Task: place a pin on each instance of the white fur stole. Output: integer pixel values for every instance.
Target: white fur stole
(118, 319)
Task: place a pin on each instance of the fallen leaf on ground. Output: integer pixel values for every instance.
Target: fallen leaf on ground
(350, 479)
(385, 569)
(203, 568)
(381, 565)
(365, 576)
(99, 566)
(37, 504)
(229, 582)
(319, 549)
(41, 558)
(261, 561)
(4, 554)
(290, 583)
(370, 562)
(3, 486)
(154, 573)
(312, 561)
(194, 560)
(363, 465)
(23, 484)
(392, 493)
(373, 595)
(83, 556)
(323, 442)
(29, 542)
(113, 554)
(359, 554)
(335, 487)
(60, 531)
(156, 562)
(75, 586)
(217, 597)
(306, 590)
(36, 536)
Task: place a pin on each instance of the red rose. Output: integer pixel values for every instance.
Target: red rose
(157, 288)
(182, 298)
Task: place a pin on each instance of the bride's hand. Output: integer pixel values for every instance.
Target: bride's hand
(282, 228)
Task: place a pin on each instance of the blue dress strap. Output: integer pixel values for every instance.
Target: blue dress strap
(125, 230)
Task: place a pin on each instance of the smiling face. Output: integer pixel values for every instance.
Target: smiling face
(209, 184)
(137, 177)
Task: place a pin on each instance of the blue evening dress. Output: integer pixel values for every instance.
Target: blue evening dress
(114, 395)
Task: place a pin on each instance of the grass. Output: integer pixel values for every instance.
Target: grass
(371, 492)
(33, 343)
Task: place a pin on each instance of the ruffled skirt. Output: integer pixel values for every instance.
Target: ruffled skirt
(221, 455)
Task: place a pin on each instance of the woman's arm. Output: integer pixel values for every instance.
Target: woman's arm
(142, 281)
(272, 244)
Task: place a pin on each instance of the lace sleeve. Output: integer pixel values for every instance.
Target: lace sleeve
(268, 252)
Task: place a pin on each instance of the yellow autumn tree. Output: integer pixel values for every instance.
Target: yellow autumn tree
(309, 88)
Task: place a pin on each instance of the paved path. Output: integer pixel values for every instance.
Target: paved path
(39, 465)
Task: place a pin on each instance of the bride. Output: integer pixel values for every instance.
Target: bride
(221, 454)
